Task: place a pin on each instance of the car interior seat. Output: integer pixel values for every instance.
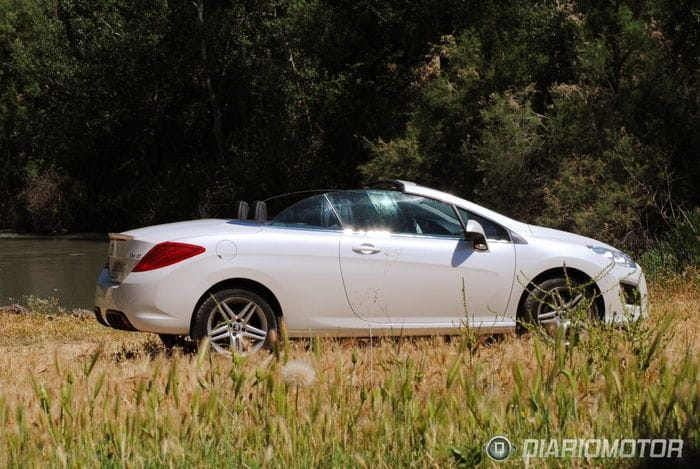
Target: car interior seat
(259, 209)
(240, 210)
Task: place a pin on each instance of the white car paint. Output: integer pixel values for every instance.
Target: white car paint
(326, 284)
(443, 273)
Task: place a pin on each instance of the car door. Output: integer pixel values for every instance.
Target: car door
(405, 262)
(298, 251)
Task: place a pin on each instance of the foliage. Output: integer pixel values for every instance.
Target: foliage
(47, 306)
(107, 399)
(574, 123)
(678, 251)
(580, 115)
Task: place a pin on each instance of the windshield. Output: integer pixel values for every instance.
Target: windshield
(396, 212)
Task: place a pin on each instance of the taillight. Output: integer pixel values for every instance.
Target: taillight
(165, 254)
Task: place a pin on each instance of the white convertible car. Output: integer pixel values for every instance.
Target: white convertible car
(392, 258)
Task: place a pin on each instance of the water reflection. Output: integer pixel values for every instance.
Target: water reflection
(63, 268)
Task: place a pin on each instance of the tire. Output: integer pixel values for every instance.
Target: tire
(235, 320)
(556, 302)
(172, 341)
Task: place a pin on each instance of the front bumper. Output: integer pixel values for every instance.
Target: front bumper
(625, 294)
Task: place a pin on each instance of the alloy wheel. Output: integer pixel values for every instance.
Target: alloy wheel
(561, 308)
(238, 325)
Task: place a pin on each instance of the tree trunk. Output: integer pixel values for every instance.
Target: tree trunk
(216, 113)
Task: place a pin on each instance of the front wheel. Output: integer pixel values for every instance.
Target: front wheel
(557, 303)
(235, 321)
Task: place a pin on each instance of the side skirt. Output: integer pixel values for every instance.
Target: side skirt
(482, 328)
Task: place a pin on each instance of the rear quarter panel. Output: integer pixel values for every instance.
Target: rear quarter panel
(300, 267)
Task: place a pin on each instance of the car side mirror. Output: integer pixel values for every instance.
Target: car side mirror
(474, 232)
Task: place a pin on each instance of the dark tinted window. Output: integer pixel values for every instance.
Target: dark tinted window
(313, 213)
(396, 212)
(493, 231)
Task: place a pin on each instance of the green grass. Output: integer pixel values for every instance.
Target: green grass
(119, 401)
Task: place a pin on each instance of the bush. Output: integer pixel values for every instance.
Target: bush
(678, 251)
(44, 201)
(48, 306)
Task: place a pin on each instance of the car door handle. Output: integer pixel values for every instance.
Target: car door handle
(365, 248)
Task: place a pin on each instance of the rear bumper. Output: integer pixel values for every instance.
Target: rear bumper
(139, 303)
(114, 319)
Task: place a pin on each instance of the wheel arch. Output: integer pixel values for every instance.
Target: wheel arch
(245, 283)
(562, 272)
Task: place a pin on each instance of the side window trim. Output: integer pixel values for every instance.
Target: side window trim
(335, 213)
(269, 224)
(426, 236)
(491, 240)
(459, 217)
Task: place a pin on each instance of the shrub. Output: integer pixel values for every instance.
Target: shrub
(678, 251)
(44, 201)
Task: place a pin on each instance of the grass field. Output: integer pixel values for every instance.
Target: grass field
(73, 393)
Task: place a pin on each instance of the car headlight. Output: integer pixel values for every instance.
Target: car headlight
(618, 257)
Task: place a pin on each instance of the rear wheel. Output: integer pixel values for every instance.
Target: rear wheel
(235, 320)
(559, 303)
(172, 341)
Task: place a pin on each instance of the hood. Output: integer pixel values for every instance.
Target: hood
(566, 237)
(192, 228)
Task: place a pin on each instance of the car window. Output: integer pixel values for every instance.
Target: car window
(396, 212)
(311, 213)
(493, 231)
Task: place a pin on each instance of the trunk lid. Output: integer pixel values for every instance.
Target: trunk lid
(187, 229)
(126, 249)
(124, 253)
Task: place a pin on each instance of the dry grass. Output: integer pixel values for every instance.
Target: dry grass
(77, 394)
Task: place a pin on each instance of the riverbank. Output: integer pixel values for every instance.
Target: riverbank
(75, 393)
(9, 234)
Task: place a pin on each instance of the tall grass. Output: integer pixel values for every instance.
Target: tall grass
(370, 403)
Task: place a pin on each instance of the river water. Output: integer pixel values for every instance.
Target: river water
(66, 269)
